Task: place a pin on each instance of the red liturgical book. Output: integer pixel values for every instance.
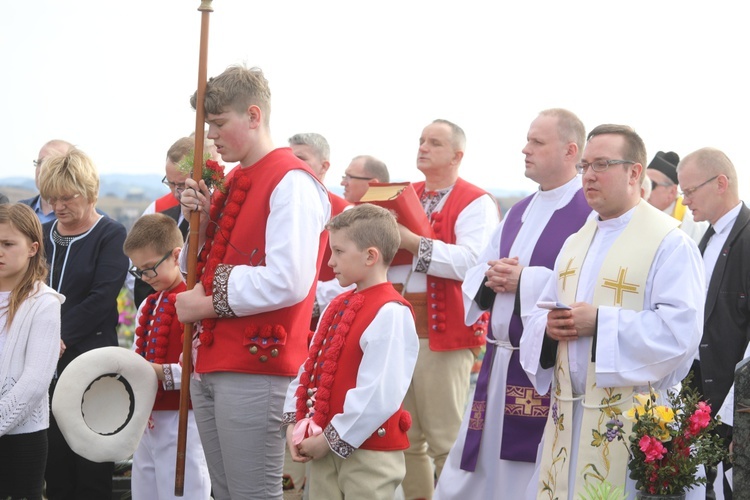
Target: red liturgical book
(401, 199)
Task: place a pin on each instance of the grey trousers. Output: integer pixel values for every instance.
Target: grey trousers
(239, 421)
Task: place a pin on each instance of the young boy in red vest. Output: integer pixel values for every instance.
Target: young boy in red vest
(154, 246)
(344, 408)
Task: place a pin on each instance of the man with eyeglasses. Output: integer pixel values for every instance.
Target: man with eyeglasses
(41, 207)
(169, 204)
(621, 313)
(174, 179)
(361, 172)
(662, 171)
(709, 184)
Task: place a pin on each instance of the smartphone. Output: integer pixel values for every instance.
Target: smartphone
(551, 305)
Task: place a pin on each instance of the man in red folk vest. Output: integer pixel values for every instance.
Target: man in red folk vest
(462, 217)
(256, 290)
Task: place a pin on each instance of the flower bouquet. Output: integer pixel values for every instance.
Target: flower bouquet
(670, 441)
(212, 174)
(126, 319)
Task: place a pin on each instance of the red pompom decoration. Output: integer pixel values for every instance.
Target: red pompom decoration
(232, 210)
(322, 407)
(154, 325)
(243, 183)
(279, 333)
(323, 393)
(220, 247)
(227, 223)
(404, 421)
(206, 338)
(326, 379)
(322, 362)
(265, 332)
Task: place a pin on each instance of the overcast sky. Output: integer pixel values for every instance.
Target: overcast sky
(115, 77)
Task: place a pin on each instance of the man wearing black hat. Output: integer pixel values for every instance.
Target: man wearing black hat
(663, 174)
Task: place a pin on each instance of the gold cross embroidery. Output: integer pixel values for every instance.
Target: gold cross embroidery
(568, 272)
(524, 402)
(620, 286)
(476, 421)
(528, 401)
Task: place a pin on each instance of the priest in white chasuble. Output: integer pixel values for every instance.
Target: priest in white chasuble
(635, 288)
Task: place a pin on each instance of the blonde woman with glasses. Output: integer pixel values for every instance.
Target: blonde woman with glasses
(88, 266)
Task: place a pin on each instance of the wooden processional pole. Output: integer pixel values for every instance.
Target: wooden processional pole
(195, 220)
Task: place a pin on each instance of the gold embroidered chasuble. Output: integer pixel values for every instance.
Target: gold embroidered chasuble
(621, 282)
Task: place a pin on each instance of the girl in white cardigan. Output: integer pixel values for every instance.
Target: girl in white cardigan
(29, 350)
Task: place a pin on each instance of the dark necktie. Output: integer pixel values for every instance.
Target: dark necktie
(184, 225)
(704, 241)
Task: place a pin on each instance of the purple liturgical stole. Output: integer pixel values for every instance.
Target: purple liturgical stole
(525, 410)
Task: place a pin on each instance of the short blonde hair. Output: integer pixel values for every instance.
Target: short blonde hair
(158, 232)
(71, 173)
(238, 88)
(368, 226)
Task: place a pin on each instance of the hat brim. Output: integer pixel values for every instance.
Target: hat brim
(102, 403)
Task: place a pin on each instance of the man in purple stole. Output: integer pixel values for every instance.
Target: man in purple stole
(496, 448)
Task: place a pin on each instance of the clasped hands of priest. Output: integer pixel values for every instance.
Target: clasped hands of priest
(503, 275)
(570, 324)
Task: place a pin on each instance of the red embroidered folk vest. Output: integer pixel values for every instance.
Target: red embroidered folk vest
(391, 435)
(445, 310)
(275, 342)
(168, 400)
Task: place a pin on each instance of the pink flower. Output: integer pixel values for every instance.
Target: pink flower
(652, 448)
(699, 420)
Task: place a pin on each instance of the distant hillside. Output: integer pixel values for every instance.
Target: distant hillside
(126, 186)
(125, 196)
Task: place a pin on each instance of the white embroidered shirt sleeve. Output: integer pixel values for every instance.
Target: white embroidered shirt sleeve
(299, 207)
(474, 227)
